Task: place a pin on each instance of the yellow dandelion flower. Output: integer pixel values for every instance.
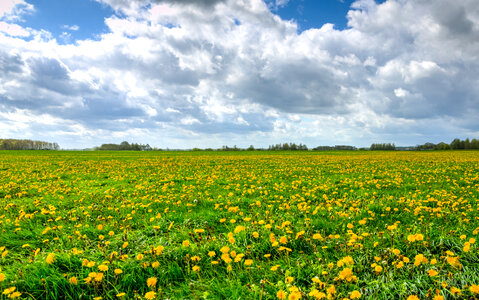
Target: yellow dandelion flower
(150, 295)
(151, 282)
(50, 258)
(73, 280)
(355, 295)
(281, 294)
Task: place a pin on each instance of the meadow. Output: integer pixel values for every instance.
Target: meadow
(239, 225)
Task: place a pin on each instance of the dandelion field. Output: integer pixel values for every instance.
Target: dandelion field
(239, 225)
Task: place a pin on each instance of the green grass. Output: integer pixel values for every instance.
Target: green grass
(84, 206)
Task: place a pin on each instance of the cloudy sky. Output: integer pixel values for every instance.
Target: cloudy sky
(208, 73)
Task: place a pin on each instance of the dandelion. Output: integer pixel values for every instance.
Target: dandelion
(119, 295)
(150, 295)
(474, 289)
(196, 268)
(355, 295)
(432, 273)
(186, 243)
(118, 271)
(412, 297)
(275, 268)
(151, 282)
(2, 277)
(281, 294)
(103, 268)
(73, 280)
(248, 262)
(50, 258)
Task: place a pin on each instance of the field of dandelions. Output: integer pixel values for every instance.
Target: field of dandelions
(239, 225)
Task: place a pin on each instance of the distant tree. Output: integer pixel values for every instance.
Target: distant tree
(457, 144)
(124, 146)
(383, 146)
(14, 144)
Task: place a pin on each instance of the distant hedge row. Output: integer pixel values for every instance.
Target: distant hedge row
(13, 144)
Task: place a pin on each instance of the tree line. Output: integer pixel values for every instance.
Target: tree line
(456, 144)
(124, 146)
(14, 144)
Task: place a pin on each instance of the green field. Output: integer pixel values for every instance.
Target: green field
(239, 225)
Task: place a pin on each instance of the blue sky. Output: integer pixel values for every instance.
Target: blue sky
(207, 73)
(84, 19)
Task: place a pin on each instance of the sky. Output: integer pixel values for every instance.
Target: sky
(207, 73)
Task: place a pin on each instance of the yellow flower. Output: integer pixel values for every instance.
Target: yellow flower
(474, 289)
(455, 291)
(186, 243)
(15, 295)
(413, 297)
(211, 254)
(103, 268)
(432, 273)
(2, 277)
(378, 269)
(274, 268)
(125, 244)
(239, 228)
(224, 249)
(50, 258)
(289, 279)
(118, 271)
(73, 280)
(438, 297)
(396, 251)
(283, 240)
(119, 295)
(150, 295)
(151, 282)
(345, 273)
(9, 290)
(355, 295)
(255, 235)
(139, 256)
(196, 268)
(467, 247)
(248, 262)
(281, 294)
(155, 264)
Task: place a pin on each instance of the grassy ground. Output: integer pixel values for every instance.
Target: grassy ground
(236, 225)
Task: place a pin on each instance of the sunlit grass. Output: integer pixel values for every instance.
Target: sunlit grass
(261, 225)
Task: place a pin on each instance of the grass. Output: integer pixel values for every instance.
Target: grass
(295, 224)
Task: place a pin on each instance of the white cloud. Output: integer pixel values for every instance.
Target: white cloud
(71, 27)
(233, 70)
(14, 9)
(14, 30)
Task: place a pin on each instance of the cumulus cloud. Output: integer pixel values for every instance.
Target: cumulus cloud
(233, 70)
